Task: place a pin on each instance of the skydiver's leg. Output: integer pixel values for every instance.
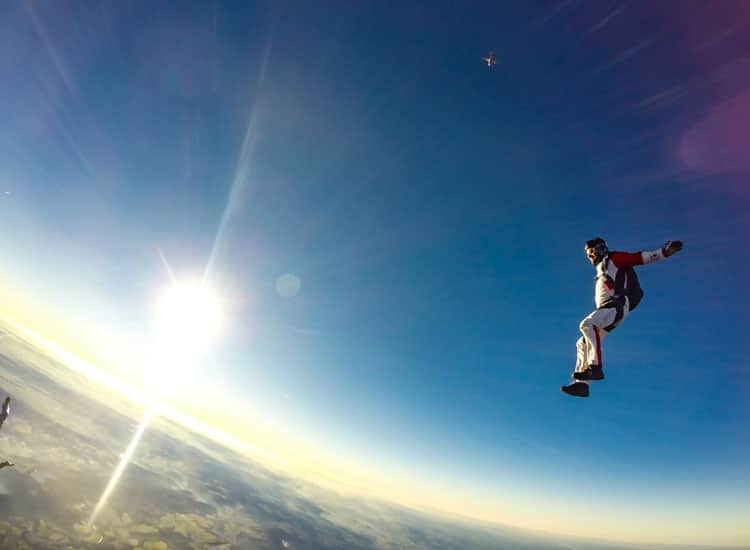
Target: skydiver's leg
(593, 333)
(589, 351)
(598, 325)
(578, 388)
(592, 329)
(581, 359)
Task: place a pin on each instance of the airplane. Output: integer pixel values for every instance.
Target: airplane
(490, 59)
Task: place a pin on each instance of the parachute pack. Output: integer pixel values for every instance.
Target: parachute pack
(627, 284)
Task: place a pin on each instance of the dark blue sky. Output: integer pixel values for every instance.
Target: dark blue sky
(434, 211)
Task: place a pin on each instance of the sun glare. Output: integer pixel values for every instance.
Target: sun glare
(187, 319)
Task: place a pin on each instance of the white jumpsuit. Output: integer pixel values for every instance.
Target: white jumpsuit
(605, 317)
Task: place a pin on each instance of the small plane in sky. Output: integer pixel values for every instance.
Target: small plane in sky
(490, 59)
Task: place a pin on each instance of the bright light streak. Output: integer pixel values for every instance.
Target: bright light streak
(166, 265)
(123, 462)
(187, 320)
(242, 171)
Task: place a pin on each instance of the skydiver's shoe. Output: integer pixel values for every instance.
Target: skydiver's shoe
(576, 389)
(592, 372)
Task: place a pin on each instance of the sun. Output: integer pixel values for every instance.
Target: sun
(188, 319)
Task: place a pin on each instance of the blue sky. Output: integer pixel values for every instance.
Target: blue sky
(434, 211)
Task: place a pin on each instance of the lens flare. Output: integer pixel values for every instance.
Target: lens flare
(123, 463)
(187, 321)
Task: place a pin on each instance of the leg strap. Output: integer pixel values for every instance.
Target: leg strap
(619, 305)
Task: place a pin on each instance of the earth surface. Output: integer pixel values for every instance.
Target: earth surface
(180, 490)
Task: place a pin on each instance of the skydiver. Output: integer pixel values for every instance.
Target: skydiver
(616, 293)
(490, 59)
(5, 411)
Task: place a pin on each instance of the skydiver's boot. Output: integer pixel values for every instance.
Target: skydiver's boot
(592, 372)
(576, 389)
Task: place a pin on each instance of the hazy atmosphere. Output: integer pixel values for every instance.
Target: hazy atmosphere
(310, 274)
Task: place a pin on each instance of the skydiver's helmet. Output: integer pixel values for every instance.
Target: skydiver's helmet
(599, 249)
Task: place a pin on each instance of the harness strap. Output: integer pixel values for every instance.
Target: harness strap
(618, 303)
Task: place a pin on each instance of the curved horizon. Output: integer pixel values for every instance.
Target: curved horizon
(395, 230)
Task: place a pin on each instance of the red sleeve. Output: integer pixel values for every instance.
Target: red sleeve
(626, 259)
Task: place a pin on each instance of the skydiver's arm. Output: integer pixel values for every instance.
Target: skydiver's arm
(630, 259)
(626, 259)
